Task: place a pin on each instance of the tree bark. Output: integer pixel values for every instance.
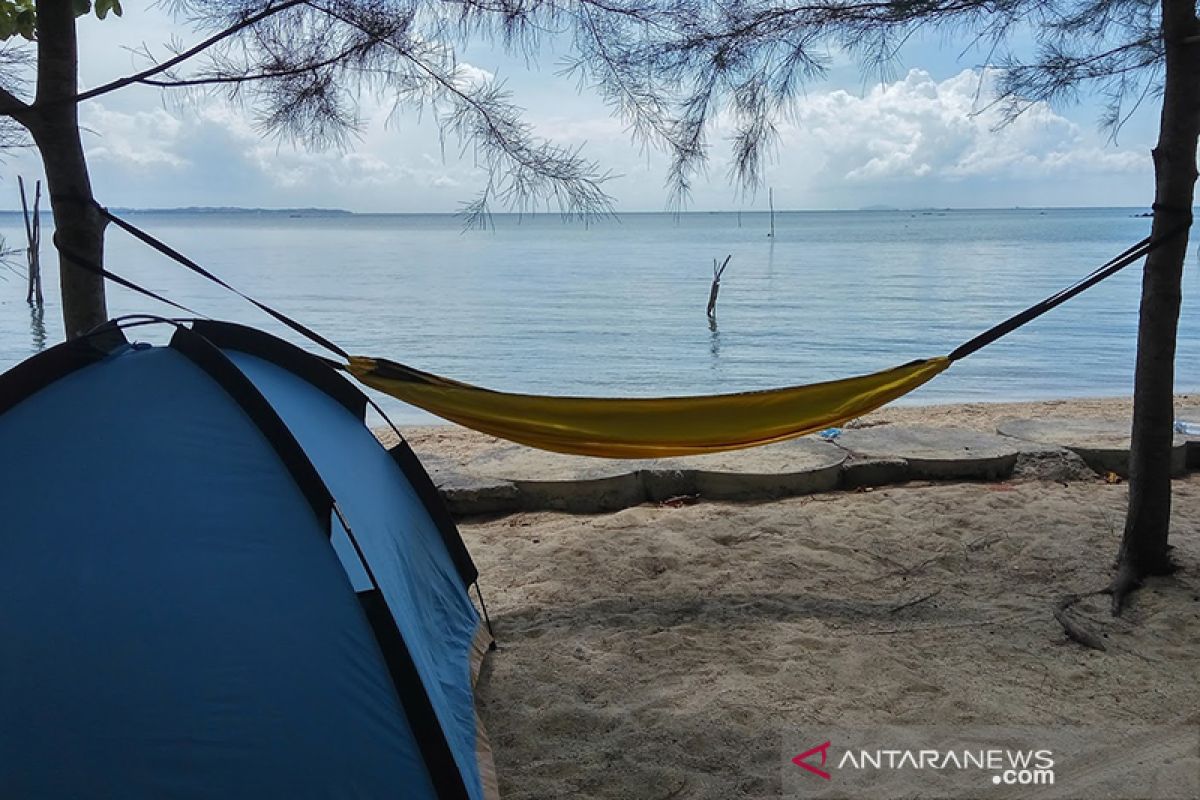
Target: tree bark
(1144, 549)
(54, 125)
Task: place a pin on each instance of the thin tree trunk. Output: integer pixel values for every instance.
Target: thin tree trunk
(54, 125)
(1144, 549)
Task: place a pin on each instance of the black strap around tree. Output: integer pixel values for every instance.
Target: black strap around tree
(90, 266)
(180, 258)
(1129, 256)
(172, 253)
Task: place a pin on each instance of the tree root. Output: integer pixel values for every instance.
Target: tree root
(1123, 584)
(1076, 632)
(1128, 580)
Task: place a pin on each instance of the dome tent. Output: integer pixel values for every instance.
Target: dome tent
(214, 582)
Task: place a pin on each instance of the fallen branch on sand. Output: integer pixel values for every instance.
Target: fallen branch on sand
(1073, 629)
(916, 602)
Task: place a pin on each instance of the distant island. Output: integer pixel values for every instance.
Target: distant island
(273, 212)
(341, 212)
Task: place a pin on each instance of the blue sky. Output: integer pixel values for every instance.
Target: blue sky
(910, 140)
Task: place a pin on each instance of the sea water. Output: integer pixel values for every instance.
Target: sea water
(617, 307)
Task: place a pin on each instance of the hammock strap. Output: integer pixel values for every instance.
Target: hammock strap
(180, 258)
(90, 266)
(1110, 268)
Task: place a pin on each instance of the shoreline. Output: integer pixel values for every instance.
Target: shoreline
(307, 211)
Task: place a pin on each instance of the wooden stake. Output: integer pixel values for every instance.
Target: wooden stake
(33, 232)
(716, 286)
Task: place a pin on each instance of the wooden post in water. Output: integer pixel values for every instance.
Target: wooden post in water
(716, 287)
(33, 232)
(771, 203)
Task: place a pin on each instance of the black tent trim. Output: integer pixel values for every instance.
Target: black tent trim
(402, 453)
(431, 737)
(305, 365)
(34, 374)
(208, 357)
(231, 336)
(55, 363)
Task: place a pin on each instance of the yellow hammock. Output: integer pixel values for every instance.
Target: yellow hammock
(682, 426)
(646, 427)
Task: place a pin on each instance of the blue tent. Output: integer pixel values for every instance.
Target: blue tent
(214, 582)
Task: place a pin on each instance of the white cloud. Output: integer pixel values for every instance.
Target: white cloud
(576, 131)
(140, 140)
(918, 128)
(212, 154)
(914, 141)
(469, 75)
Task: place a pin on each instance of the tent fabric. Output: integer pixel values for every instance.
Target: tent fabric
(646, 427)
(419, 581)
(177, 620)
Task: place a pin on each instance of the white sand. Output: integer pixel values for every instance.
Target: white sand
(661, 652)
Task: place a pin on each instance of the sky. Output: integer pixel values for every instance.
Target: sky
(921, 138)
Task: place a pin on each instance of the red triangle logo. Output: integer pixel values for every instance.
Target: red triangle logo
(802, 760)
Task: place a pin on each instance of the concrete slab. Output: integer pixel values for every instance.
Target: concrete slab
(1189, 412)
(1042, 463)
(858, 472)
(556, 482)
(589, 485)
(1102, 442)
(664, 480)
(468, 495)
(503, 478)
(787, 469)
(935, 453)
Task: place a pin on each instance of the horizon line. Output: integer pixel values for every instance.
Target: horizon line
(875, 208)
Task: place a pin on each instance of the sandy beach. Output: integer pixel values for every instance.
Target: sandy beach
(457, 444)
(662, 651)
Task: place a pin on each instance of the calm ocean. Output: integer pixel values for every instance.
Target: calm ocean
(617, 308)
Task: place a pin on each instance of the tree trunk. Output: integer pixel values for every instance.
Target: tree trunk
(1144, 549)
(54, 125)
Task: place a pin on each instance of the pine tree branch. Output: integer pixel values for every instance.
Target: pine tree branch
(12, 106)
(217, 80)
(141, 77)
